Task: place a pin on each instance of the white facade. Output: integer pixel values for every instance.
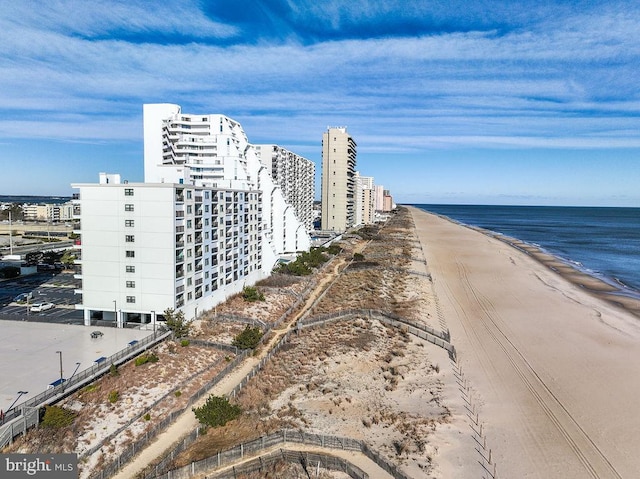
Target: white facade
(146, 247)
(296, 177)
(208, 220)
(365, 199)
(213, 151)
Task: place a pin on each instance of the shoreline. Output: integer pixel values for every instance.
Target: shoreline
(619, 296)
(548, 353)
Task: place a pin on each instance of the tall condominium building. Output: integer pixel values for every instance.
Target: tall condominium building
(388, 204)
(208, 220)
(296, 177)
(213, 151)
(338, 180)
(379, 195)
(365, 199)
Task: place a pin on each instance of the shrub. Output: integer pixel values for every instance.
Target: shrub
(146, 358)
(251, 294)
(147, 417)
(177, 394)
(113, 370)
(56, 417)
(249, 338)
(334, 248)
(177, 323)
(358, 257)
(305, 262)
(184, 343)
(90, 388)
(113, 396)
(217, 411)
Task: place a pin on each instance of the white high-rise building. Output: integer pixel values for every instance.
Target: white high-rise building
(208, 220)
(296, 177)
(365, 200)
(213, 151)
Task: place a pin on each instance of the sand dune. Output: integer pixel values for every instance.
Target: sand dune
(551, 365)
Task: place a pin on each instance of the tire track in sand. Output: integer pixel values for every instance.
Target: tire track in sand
(589, 454)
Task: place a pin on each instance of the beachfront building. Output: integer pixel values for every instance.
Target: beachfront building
(387, 203)
(365, 200)
(379, 197)
(208, 220)
(296, 177)
(338, 180)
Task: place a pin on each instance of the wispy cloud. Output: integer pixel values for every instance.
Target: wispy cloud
(405, 76)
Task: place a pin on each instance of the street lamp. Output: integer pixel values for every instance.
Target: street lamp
(20, 394)
(61, 378)
(75, 370)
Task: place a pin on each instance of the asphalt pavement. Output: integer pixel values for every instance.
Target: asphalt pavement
(57, 288)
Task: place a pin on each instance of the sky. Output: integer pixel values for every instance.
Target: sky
(455, 102)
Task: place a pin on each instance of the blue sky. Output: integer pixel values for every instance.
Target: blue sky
(497, 102)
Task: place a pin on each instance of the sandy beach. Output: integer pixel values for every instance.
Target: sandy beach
(549, 356)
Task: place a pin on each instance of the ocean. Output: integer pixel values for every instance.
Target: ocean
(603, 242)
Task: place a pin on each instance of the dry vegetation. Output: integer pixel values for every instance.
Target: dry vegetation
(355, 378)
(383, 280)
(178, 374)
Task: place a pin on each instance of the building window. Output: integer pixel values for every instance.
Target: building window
(189, 296)
(189, 194)
(128, 207)
(129, 238)
(206, 196)
(128, 192)
(189, 224)
(128, 223)
(189, 209)
(189, 281)
(130, 254)
(131, 299)
(131, 284)
(130, 269)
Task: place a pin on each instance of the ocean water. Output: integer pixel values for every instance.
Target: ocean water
(604, 242)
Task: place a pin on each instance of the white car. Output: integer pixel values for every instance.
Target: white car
(39, 307)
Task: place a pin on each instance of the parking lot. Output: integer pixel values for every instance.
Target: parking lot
(53, 287)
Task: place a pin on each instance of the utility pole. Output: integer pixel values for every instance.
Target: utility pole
(10, 235)
(61, 378)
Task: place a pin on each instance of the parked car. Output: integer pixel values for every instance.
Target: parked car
(39, 307)
(23, 297)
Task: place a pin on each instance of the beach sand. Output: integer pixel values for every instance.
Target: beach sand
(550, 356)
